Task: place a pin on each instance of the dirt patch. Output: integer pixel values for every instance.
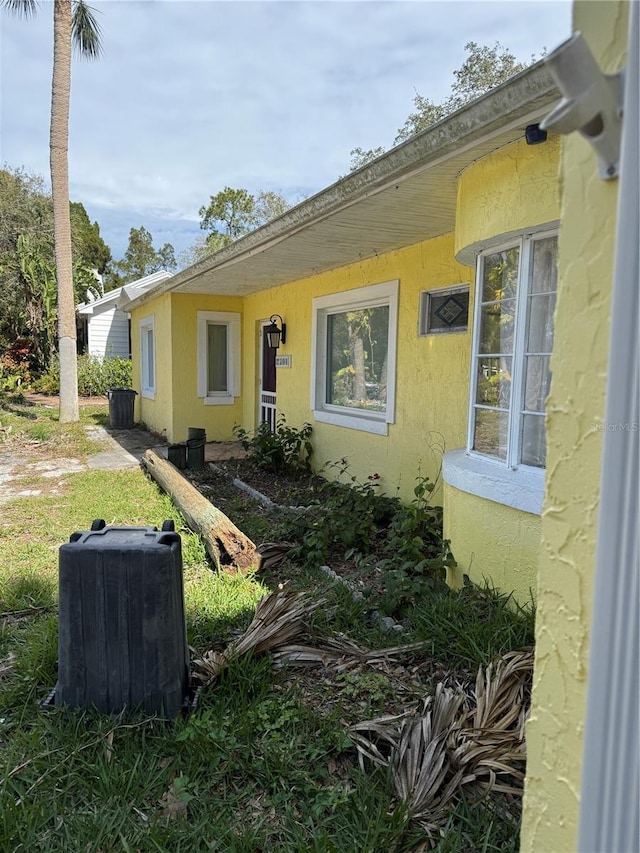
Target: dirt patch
(53, 401)
(283, 488)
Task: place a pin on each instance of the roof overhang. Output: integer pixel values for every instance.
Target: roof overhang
(403, 197)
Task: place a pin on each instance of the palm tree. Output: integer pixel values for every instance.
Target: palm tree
(74, 23)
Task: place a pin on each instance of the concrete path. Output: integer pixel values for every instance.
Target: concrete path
(119, 449)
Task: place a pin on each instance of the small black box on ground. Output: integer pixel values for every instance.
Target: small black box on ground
(122, 641)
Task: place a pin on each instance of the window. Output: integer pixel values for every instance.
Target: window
(513, 340)
(353, 366)
(444, 310)
(147, 357)
(218, 357)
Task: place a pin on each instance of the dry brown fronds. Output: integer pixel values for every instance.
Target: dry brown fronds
(280, 618)
(342, 654)
(453, 746)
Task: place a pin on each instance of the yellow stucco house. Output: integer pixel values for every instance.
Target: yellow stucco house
(439, 303)
(393, 352)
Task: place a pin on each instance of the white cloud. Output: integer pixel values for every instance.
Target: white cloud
(192, 96)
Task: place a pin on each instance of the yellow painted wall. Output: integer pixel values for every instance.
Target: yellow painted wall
(490, 540)
(189, 410)
(432, 371)
(575, 407)
(154, 413)
(177, 406)
(512, 189)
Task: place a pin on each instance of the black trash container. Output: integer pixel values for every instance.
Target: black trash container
(121, 402)
(122, 640)
(177, 454)
(197, 432)
(195, 453)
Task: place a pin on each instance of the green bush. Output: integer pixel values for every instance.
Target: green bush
(95, 376)
(401, 543)
(285, 449)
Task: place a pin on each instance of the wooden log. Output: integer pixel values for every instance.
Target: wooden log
(230, 550)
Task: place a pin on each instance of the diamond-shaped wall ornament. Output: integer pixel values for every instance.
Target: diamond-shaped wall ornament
(450, 311)
(444, 310)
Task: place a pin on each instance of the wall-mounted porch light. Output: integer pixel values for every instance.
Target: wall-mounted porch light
(274, 334)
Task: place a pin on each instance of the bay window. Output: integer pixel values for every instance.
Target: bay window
(513, 340)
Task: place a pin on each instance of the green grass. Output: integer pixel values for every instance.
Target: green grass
(264, 763)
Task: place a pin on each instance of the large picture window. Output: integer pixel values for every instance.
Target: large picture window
(353, 369)
(513, 340)
(218, 357)
(147, 357)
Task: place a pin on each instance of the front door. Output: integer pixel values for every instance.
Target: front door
(267, 399)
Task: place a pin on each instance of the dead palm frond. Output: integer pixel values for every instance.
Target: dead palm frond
(342, 654)
(280, 618)
(451, 745)
(273, 554)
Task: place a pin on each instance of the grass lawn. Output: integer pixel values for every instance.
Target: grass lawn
(265, 762)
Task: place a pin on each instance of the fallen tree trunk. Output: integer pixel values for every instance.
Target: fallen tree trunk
(229, 549)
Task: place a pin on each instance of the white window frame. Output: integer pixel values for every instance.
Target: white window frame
(524, 245)
(426, 296)
(507, 482)
(146, 325)
(372, 296)
(231, 320)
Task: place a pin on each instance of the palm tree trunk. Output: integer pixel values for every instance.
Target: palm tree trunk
(59, 143)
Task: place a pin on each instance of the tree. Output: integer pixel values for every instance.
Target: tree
(484, 68)
(87, 242)
(73, 23)
(27, 261)
(140, 259)
(231, 214)
(360, 157)
(25, 210)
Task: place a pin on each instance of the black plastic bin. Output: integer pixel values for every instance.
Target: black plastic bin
(177, 454)
(121, 402)
(195, 453)
(122, 641)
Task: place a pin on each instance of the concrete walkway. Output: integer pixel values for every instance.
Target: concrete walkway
(119, 449)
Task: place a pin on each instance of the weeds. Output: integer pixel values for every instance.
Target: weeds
(399, 544)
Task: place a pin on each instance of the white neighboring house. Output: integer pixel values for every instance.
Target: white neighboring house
(107, 324)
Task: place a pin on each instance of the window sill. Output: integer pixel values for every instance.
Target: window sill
(521, 488)
(227, 400)
(360, 422)
(148, 393)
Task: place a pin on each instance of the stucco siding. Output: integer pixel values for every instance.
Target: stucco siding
(432, 372)
(154, 412)
(513, 189)
(493, 542)
(574, 411)
(189, 410)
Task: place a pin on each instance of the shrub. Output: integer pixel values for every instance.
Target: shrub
(14, 366)
(95, 376)
(400, 543)
(287, 448)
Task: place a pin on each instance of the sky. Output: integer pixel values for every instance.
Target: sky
(191, 96)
